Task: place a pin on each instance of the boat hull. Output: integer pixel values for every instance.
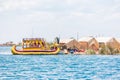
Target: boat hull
(34, 52)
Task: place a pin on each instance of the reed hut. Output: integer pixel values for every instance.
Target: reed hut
(113, 43)
(73, 44)
(89, 43)
(102, 41)
(109, 45)
(63, 42)
(108, 41)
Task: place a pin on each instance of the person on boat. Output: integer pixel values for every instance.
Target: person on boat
(38, 44)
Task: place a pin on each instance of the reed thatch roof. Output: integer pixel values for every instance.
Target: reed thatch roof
(73, 44)
(93, 44)
(113, 43)
(88, 42)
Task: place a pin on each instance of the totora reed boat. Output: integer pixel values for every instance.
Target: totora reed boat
(34, 46)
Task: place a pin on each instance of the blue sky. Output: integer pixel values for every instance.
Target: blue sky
(64, 18)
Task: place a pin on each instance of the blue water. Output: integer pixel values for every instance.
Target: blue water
(58, 67)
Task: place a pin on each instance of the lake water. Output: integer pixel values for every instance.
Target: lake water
(58, 67)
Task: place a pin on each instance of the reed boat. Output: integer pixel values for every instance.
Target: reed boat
(35, 46)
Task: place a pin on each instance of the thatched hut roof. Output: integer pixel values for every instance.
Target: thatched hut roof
(89, 42)
(109, 41)
(93, 42)
(113, 43)
(73, 44)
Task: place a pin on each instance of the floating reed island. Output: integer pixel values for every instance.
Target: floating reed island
(91, 45)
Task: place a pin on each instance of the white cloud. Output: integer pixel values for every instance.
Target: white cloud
(52, 9)
(18, 4)
(75, 14)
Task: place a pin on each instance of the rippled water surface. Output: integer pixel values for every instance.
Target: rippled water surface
(58, 67)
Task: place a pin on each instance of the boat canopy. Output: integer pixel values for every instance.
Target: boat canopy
(33, 43)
